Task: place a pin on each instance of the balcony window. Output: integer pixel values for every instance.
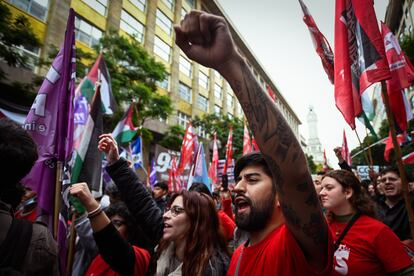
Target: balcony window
(169, 3)
(164, 22)
(202, 102)
(164, 84)
(217, 91)
(87, 33)
(100, 6)
(37, 8)
(162, 49)
(132, 26)
(185, 92)
(140, 4)
(185, 66)
(203, 80)
(183, 119)
(229, 100)
(217, 110)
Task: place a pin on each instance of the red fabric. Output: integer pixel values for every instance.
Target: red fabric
(356, 33)
(31, 216)
(345, 150)
(226, 207)
(229, 151)
(390, 146)
(402, 73)
(322, 47)
(409, 158)
(270, 92)
(247, 145)
(255, 147)
(226, 224)
(101, 268)
(212, 171)
(187, 148)
(277, 254)
(174, 183)
(369, 248)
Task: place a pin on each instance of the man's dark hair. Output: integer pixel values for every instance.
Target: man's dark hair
(18, 153)
(320, 173)
(251, 159)
(201, 188)
(391, 169)
(162, 185)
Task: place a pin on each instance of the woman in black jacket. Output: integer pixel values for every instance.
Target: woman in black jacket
(190, 242)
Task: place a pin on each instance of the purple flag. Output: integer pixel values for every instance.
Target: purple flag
(153, 174)
(50, 121)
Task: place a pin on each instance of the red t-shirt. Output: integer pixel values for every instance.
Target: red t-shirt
(100, 267)
(369, 248)
(277, 254)
(227, 224)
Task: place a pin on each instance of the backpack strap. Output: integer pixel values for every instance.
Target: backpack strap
(347, 227)
(14, 247)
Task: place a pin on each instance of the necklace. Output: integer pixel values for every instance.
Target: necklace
(341, 221)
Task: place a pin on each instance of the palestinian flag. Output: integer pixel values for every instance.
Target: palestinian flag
(87, 166)
(125, 131)
(98, 73)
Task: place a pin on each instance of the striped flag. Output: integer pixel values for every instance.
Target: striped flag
(174, 182)
(345, 150)
(212, 172)
(187, 148)
(125, 131)
(136, 153)
(247, 146)
(153, 174)
(229, 151)
(198, 172)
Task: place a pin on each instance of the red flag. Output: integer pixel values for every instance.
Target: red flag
(212, 172)
(402, 73)
(390, 146)
(322, 47)
(247, 146)
(255, 147)
(187, 148)
(345, 150)
(229, 151)
(174, 183)
(409, 158)
(359, 55)
(270, 92)
(325, 162)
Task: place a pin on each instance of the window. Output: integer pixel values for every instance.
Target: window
(183, 13)
(217, 110)
(202, 102)
(132, 26)
(87, 33)
(169, 3)
(203, 80)
(185, 92)
(229, 100)
(183, 119)
(164, 22)
(37, 8)
(191, 2)
(185, 66)
(201, 132)
(164, 84)
(217, 75)
(217, 91)
(98, 5)
(140, 4)
(162, 49)
(32, 55)
(229, 115)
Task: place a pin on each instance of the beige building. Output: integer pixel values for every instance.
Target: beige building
(194, 89)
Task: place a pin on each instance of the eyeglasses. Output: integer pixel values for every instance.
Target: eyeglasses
(175, 210)
(118, 223)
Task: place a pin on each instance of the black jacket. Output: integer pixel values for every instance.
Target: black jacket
(138, 200)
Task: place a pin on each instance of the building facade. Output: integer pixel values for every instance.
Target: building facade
(194, 89)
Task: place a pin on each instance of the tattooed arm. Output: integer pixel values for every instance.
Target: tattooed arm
(206, 39)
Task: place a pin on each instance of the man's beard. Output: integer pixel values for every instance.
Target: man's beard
(260, 213)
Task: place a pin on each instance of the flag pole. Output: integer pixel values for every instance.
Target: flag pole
(362, 146)
(71, 249)
(369, 150)
(398, 156)
(58, 190)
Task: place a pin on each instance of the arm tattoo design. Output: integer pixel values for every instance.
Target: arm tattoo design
(315, 230)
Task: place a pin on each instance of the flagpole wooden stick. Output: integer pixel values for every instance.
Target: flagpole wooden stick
(58, 189)
(369, 150)
(71, 249)
(398, 156)
(362, 146)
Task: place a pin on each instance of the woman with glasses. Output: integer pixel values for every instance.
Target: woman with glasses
(363, 245)
(112, 231)
(188, 236)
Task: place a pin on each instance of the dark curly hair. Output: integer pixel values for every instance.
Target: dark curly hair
(360, 200)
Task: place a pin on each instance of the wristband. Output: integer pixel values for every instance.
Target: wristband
(95, 212)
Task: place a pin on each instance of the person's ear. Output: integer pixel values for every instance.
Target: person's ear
(348, 192)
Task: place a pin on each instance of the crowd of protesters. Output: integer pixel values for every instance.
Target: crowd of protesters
(274, 221)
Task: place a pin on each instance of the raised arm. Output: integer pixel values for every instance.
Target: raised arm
(206, 39)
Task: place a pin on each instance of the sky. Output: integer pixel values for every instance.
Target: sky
(278, 37)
